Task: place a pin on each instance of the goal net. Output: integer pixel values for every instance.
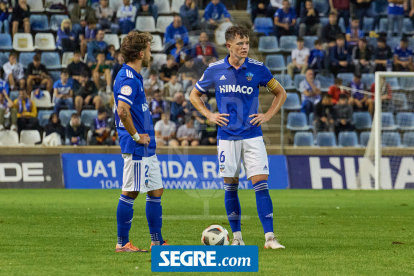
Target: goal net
(388, 161)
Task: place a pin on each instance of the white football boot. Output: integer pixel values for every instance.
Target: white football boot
(237, 242)
(272, 243)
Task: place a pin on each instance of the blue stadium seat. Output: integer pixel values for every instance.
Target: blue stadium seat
(65, 115)
(311, 118)
(380, 6)
(292, 102)
(297, 121)
(55, 75)
(411, 43)
(88, 116)
(362, 120)
(268, 44)
(297, 79)
(3, 59)
(346, 78)
(325, 139)
(405, 120)
(364, 138)
(348, 139)
(383, 26)
(39, 22)
(406, 84)
(303, 139)
(321, 6)
(263, 25)
(309, 41)
(289, 59)
(408, 26)
(372, 41)
(5, 42)
(285, 80)
(393, 42)
(51, 60)
(55, 21)
(341, 24)
(26, 58)
(288, 43)
(326, 80)
(408, 139)
(368, 79)
(14, 95)
(393, 82)
(391, 139)
(400, 101)
(43, 117)
(324, 20)
(275, 62)
(368, 23)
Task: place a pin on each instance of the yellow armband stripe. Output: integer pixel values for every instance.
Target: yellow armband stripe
(272, 84)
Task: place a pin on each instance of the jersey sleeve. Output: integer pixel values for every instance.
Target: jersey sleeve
(127, 90)
(265, 76)
(206, 81)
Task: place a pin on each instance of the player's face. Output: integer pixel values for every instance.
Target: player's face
(147, 55)
(239, 47)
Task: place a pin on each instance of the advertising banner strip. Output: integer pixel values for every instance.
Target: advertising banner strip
(200, 258)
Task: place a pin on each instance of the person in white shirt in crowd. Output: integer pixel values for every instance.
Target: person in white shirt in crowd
(311, 92)
(153, 84)
(14, 72)
(300, 57)
(126, 17)
(187, 134)
(105, 16)
(8, 114)
(172, 87)
(165, 131)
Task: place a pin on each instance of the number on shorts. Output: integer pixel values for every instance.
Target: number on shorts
(222, 157)
(146, 170)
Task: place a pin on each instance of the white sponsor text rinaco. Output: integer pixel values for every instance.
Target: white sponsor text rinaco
(235, 88)
(26, 171)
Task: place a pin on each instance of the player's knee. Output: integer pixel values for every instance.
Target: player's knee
(194, 143)
(130, 194)
(231, 180)
(156, 193)
(184, 143)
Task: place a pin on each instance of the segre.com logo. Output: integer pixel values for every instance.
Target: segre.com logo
(200, 258)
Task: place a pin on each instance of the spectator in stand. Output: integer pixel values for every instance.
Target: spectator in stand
(26, 112)
(354, 33)
(8, 114)
(199, 119)
(87, 35)
(189, 15)
(259, 8)
(363, 8)
(187, 70)
(309, 21)
(75, 132)
(14, 73)
(4, 17)
(172, 87)
(204, 48)
(76, 67)
(63, 91)
(153, 84)
(360, 101)
(65, 39)
(146, 6)
(126, 17)
(54, 131)
(209, 134)
(403, 57)
(80, 13)
(168, 69)
(179, 53)
(300, 57)
(311, 92)
(382, 55)
(339, 56)
(119, 61)
(273, 7)
(110, 56)
(204, 64)
(86, 93)
(386, 97)
(285, 20)
(5, 90)
(331, 30)
(165, 132)
(335, 91)
(342, 113)
(187, 134)
(194, 80)
(101, 132)
(20, 17)
(174, 32)
(97, 46)
(105, 16)
(362, 58)
(316, 57)
(157, 107)
(323, 114)
(145, 72)
(395, 16)
(213, 13)
(100, 69)
(341, 8)
(179, 108)
(38, 76)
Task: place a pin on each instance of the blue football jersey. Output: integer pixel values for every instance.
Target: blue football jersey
(237, 94)
(128, 87)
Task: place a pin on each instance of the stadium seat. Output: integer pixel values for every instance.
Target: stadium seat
(55, 75)
(26, 58)
(348, 139)
(405, 120)
(176, 5)
(393, 42)
(115, 4)
(112, 39)
(14, 95)
(391, 139)
(163, 22)
(121, 37)
(309, 41)
(36, 5)
(39, 22)
(289, 59)
(367, 79)
(29, 137)
(288, 43)
(341, 24)
(297, 121)
(275, 62)
(406, 84)
(325, 139)
(67, 58)
(45, 42)
(393, 82)
(56, 19)
(346, 78)
(145, 24)
(23, 42)
(159, 60)
(51, 60)
(380, 6)
(364, 138)
(268, 44)
(400, 101)
(411, 43)
(88, 116)
(292, 102)
(163, 6)
(408, 139)
(326, 80)
(194, 39)
(311, 118)
(43, 117)
(65, 115)
(285, 80)
(324, 20)
(44, 102)
(9, 138)
(321, 6)
(368, 23)
(303, 139)
(408, 26)
(297, 80)
(372, 41)
(3, 59)
(156, 44)
(263, 25)
(362, 120)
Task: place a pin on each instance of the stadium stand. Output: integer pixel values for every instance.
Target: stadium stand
(303, 139)
(348, 139)
(297, 121)
(391, 139)
(325, 139)
(292, 102)
(30, 137)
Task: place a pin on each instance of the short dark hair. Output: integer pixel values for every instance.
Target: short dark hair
(174, 73)
(133, 44)
(382, 39)
(101, 110)
(153, 72)
(64, 71)
(326, 95)
(234, 31)
(404, 39)
(179, 41)
(13, 53)
(74, 115)
(356, 75)
(338, 81)
(340, 36)
(91, 21)
(363, 39)
(355, 18)
(333, 13)
(317, 42)
(170, 57)
(300, 39)
(36, 57)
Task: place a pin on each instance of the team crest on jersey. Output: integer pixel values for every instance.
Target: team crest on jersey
(146, 183)
(249, 76)
(126, 90)
(222, 168)
(145, 107)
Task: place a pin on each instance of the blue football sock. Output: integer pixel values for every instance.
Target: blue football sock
(124, 216)
(264, 205)
(154, 218)
(231, 201)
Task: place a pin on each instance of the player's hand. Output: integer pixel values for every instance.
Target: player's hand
(218, 119)
(259, 119)
(144, 139)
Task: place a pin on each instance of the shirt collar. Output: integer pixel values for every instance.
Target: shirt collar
(228, 65)
(138, 75)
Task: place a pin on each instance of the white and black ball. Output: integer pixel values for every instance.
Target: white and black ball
(215, 235)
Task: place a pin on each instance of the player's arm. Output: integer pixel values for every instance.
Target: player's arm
(124, 114)
(216, 118)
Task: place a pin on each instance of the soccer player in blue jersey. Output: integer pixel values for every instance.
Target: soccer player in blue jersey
(236, 80)
(137, 141)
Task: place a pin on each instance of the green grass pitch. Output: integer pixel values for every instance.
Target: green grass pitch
(329, 232)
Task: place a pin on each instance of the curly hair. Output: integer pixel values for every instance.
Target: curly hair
(133, 44)
(233, 31)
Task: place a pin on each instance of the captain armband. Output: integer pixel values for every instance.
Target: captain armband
(272, 84)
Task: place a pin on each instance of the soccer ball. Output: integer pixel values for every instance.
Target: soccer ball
(215, 235)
